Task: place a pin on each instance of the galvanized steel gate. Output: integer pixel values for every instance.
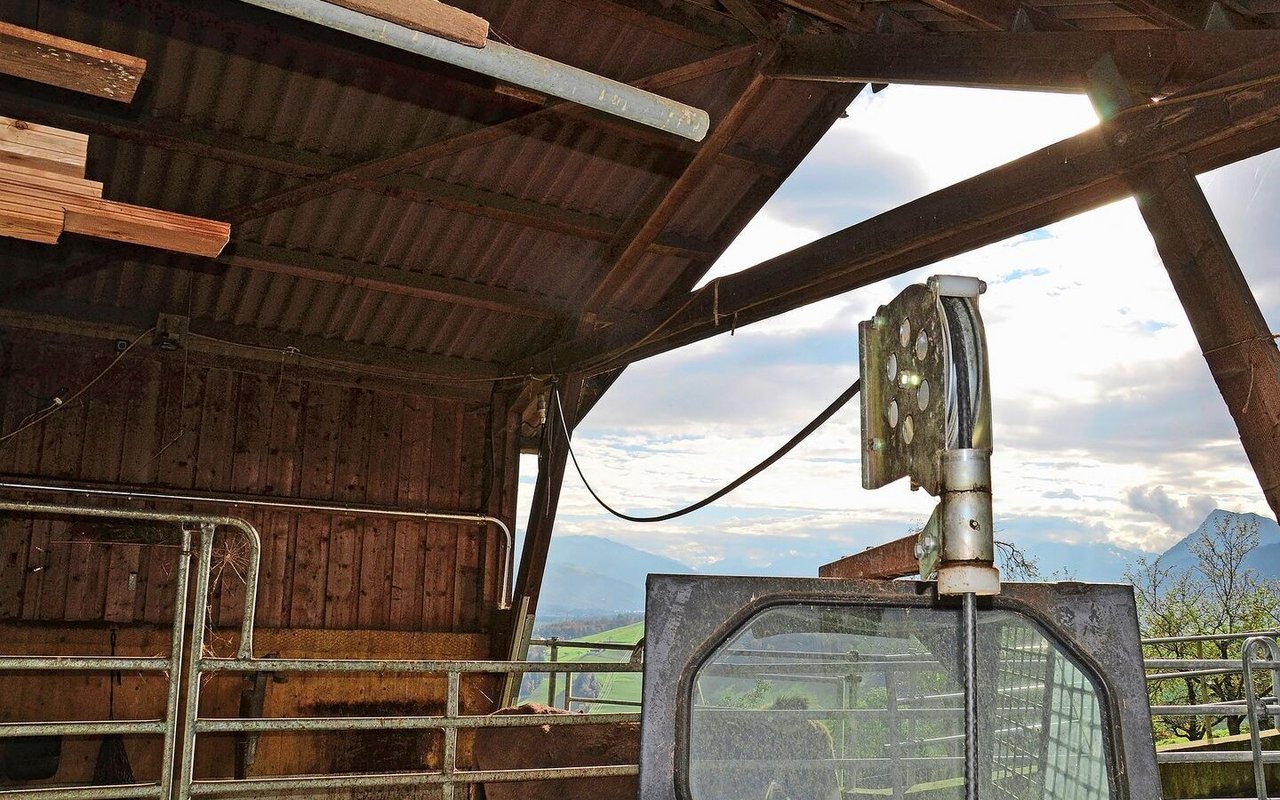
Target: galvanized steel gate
(182, 724)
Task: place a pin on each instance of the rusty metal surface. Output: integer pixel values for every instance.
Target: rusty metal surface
(896, 559)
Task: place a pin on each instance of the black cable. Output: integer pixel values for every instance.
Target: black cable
(817, 422)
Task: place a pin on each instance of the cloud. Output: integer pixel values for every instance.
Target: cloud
(1183, 516)
(1061, 494)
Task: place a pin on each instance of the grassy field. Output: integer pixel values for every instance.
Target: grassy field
(613, 685)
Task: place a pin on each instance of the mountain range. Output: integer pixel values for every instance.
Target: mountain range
(593, 576)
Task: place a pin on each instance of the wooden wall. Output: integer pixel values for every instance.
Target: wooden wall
(175, 420)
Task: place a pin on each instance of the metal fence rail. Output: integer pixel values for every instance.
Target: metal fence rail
(183, 725)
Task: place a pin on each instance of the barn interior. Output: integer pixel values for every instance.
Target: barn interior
(326, 285)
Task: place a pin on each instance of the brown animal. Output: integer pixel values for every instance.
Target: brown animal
(744, 755)
(546, 746)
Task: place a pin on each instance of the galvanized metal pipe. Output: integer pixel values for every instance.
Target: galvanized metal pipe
(176, 637)
(186, 765)
(310, 724)
(1214, 757)
(1207, 710)
(1209, 637)
(272, 786)
(249, 532)
(82, 664)
(85, 792)
(511, 65)
(131, 493)
(1205, 663)
(335, 665)
(1251, 645)
(105, 727)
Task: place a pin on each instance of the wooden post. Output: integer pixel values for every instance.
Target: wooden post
(1224, 314)
(552, 457)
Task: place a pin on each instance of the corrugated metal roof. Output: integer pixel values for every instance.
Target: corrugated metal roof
(271, 102)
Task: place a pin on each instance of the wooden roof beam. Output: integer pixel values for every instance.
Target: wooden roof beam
(246, 340)
(81, 325)
(38, 56)
(664, 200)
(1153, 63)
(1216, 123)
(451, 145)
(685, 22)
(280, 159)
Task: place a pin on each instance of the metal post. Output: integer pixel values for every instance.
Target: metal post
(451, 711)
(187, 769)
(552, 656)
(891, 701)
(175, 665)
(1253, 712)
(969, 651)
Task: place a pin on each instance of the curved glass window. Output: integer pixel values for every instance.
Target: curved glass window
(825, 702)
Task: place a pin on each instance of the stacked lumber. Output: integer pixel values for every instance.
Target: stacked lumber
(43, 192)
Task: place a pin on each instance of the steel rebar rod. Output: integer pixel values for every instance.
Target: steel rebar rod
(969, 648)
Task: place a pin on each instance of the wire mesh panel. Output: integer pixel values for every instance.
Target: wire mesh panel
(812, 701)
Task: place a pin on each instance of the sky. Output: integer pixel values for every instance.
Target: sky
(1109, 432)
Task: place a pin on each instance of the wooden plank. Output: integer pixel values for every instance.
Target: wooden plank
(377, 543)
(254, 395)
(41, 57)
(43, 147)
(469, 610)
(350, 475)
(442, 494)
(410, 551)
(428, 16)
(276, 586)
(21, 220)
(215, 435)
(151, 227)
(321, 409)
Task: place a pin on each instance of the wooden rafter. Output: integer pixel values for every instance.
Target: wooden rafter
(665, 199)
(1224, 315)
(41, 57)
(452, 145)
(279, 159)
(686, 22)
(1216, 123)
(1152, 62)
(245, 339)
(208, 352)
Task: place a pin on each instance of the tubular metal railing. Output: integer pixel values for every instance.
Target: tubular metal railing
(183, 725)
(1255, 709)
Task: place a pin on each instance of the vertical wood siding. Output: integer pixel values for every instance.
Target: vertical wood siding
(159, 421)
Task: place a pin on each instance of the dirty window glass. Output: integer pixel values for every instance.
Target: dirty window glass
(816, 702)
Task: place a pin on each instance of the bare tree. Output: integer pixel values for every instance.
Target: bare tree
(1220, 596)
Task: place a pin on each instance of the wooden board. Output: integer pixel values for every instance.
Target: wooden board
(41, 147)
(428, 16)
(41, 57)
(157, 419)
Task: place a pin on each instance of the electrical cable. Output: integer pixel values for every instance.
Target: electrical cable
(790, 445)
(60, 404)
